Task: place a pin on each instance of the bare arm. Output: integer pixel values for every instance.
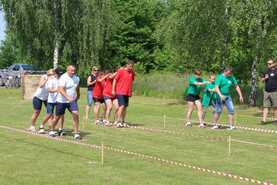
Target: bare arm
(52, 90)
(103, 78)
(240, 94)
(42, 81)
(219, 93)
(63, 93)
(89, 82)
(113, 89)
(78, 92)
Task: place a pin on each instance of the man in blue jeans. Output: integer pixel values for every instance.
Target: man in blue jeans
(223, 83)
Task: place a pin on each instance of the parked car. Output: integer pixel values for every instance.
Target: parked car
(11, 77)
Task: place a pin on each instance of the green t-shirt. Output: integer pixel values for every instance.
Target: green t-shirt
(225, 83)
(209, 97)
(194, 89)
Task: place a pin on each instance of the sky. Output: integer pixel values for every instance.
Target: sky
(2, 26)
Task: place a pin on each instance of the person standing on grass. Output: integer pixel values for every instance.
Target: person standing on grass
(52, 87)
(91, 80)
(39, 98)
(69, 93)
(270, 91)
(98, 97)
(196, 83)
(110, 100)
(210, 97)
(223, 83)
(122, 89)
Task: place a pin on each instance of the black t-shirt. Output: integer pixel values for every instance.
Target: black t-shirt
(271, 82)
(92, 78)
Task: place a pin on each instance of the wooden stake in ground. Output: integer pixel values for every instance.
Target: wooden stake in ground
(164, 120)
(85, 123)
(102, 154)
(229, 145)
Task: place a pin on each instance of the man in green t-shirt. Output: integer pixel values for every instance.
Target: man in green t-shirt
(210, 97)
(223, 83)
(196, 83)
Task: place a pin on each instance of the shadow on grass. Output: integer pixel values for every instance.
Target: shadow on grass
(273, 122)
(135, 124)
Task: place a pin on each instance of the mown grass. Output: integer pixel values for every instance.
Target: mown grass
(29, 159)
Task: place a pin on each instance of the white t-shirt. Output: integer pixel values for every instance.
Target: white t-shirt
(70, 84)
(42, 92)
(52, 84)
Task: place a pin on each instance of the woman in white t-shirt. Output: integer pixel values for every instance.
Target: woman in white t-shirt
(52, 87)
(39, 98)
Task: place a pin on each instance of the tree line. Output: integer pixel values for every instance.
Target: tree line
(172, 35)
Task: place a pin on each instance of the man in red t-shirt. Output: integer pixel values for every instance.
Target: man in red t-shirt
(122, 88)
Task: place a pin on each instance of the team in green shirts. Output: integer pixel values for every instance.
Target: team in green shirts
(216, 94)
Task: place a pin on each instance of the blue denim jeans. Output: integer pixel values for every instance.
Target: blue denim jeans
(227, 102)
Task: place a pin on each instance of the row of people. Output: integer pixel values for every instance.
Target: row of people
(59, 93)
(217, 94)
(113, 91)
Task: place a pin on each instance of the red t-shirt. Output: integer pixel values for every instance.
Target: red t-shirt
(98, 90)
(108, 86)
(124, 82)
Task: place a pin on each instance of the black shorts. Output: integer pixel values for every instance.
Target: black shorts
(61, 107)
(99, 100)
(192, 98)
(37, 103)
(123, 100)
(50, 108)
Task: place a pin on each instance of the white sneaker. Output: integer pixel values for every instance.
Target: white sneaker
(119, 125)
(98, 122)
(106, 122)
(53, 133)
(201, 125)
(125, 125)
(215, 127)
(41, 131)
(188, 124)
(77, 136)
(231, 127)
(32, 129)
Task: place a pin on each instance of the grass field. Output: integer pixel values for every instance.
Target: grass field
(27, 159)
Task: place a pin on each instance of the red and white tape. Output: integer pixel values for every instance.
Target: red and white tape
(268, 131)
(147, 157)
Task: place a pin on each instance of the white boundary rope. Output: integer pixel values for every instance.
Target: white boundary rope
(146, 157)
(268, 131)
(216, 138)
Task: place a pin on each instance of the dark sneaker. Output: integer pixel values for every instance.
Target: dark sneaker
(61, 132)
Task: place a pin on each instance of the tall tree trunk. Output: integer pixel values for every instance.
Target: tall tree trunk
(226, 35)
(56, 49)
(56, 55)
(253, 93)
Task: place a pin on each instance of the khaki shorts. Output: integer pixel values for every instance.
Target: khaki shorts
(270, 99)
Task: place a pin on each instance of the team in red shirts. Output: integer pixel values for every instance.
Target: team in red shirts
(113, 90)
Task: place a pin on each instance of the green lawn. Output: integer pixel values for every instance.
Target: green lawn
(27, 159)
